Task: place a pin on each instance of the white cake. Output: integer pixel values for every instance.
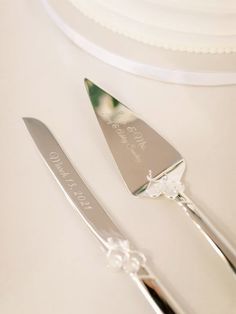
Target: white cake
(194, 26)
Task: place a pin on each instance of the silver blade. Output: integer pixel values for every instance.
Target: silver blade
(71, 183)
(136, 147)
(143, 157)
(97, 219)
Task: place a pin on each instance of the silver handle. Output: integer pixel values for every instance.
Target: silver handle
(217, 241)
(121, 256)
(158, 297)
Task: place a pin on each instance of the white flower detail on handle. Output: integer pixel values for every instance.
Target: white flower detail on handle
(164, 186)
(121, 257)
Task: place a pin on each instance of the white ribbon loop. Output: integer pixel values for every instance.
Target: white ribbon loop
(141, 69)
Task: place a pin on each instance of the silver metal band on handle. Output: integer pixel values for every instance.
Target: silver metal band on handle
(121, 257)
(155, 293)
(217, 241)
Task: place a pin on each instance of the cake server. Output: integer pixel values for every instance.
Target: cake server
(119, 251)
(150, 166)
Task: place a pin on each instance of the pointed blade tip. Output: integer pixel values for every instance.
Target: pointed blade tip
(87, 82)
(27, 120)
(32, 123)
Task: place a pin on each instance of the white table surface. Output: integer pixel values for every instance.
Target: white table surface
(49, 262)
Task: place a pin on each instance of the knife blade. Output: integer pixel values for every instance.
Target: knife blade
(120, 253)
(149, 165)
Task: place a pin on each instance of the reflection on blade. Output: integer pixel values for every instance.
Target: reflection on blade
(120, 254)
(136, 147)
(150, 166)
(71, 183)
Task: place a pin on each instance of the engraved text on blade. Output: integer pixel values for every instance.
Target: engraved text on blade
(128, 135)
(69, 181)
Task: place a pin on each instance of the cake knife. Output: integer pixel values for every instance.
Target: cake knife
(120, 253)
(150, 166)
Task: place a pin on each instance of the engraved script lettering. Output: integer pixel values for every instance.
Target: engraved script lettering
(70, 182)
(131, 137)
(138, 137)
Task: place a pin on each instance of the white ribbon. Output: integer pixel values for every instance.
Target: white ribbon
(141, 69)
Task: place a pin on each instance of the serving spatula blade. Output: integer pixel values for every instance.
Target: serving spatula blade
(150, 165)
(136, 147)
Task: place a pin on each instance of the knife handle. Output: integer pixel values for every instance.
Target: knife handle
(217, 241)
(158, 297)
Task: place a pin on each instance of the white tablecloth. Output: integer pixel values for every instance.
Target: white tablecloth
(49, 261)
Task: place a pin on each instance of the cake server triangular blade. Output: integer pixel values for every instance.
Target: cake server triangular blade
(136, 147)
(150, 165)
